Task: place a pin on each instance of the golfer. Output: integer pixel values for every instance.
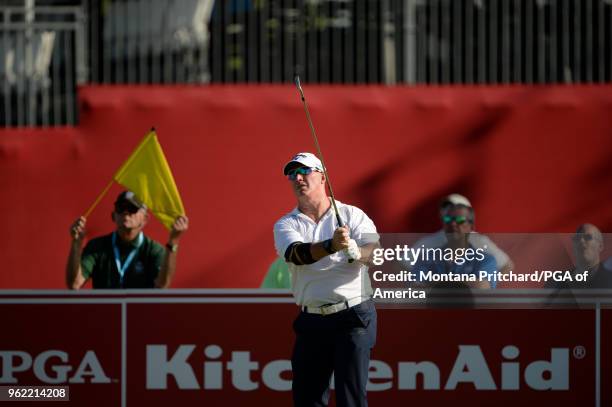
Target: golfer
(336, 327)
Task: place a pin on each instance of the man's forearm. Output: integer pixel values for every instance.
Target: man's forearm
(180, 225)
(167, 270)
(509, 266)
(479, 284)
(316, 251)
(74, 275)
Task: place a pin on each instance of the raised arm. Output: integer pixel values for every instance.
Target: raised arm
(166, 273)
(74, 272)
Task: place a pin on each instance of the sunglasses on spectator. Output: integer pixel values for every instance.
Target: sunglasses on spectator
(459, 220)
(586, 236)
(126, 207)
(292, 175)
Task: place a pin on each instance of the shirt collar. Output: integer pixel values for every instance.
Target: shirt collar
(297, 213)
(132, 244)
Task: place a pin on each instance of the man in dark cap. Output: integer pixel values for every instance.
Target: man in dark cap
(125, 258)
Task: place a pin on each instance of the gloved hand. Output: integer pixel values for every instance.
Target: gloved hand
(353, 251)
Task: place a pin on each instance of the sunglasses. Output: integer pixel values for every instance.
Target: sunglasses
(126, 207)
(292, 175)
(459, 220)
(587, 237)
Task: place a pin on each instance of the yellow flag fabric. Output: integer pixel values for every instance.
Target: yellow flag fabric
(147, 174)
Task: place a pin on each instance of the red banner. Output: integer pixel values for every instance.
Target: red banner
(64, 342)
(225, 348)
(531, 159)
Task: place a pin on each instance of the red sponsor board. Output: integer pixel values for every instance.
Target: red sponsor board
(71, 343)
(212, 335)
(230, 350)
(606, 355)
(513, 343)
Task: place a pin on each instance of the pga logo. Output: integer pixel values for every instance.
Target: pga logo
(52, 367)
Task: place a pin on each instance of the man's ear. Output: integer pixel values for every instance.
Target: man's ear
(145, 218)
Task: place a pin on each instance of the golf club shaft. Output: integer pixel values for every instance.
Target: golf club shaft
(316, 141)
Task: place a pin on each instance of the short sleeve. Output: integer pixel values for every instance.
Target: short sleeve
(285, 233)
(89, 258)
(489, 265)
(480, 241)
(421, 267)
(362, 227)
(157, 254)
(501, 258)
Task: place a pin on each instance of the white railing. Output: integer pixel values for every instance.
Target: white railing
(42, 58)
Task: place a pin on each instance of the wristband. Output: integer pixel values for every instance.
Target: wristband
(328, 247)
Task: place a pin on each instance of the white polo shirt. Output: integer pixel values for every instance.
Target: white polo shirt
(332, 279)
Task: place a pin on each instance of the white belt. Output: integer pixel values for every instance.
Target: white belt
(333, 308)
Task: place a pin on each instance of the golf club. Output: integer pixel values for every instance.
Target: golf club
(320, 154)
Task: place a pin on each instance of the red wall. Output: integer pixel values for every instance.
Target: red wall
(531, 159)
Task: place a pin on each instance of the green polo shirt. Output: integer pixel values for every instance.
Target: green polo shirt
(278, 275)
(98, 262)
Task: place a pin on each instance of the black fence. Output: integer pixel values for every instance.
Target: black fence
(351, 41)
(48, 47)
(358, 41)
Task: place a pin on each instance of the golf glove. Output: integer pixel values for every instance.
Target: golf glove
(353, 251)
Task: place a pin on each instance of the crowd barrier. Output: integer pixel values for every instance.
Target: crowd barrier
(233, 347)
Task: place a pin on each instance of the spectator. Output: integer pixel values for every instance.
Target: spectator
(588, 245)
(278, 275)
(458, 221)
(125, 258)
(477, 240)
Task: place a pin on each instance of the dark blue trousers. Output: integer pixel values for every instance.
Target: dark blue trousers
(339, 343)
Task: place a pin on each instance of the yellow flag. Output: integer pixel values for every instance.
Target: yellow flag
(147, 174)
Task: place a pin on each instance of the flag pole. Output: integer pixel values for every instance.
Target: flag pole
(99, 198)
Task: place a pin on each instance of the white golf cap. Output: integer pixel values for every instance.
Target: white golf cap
(303, 160)
(455, 199)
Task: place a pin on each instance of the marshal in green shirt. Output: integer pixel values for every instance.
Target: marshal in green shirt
(98, 262)
(278, 275)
